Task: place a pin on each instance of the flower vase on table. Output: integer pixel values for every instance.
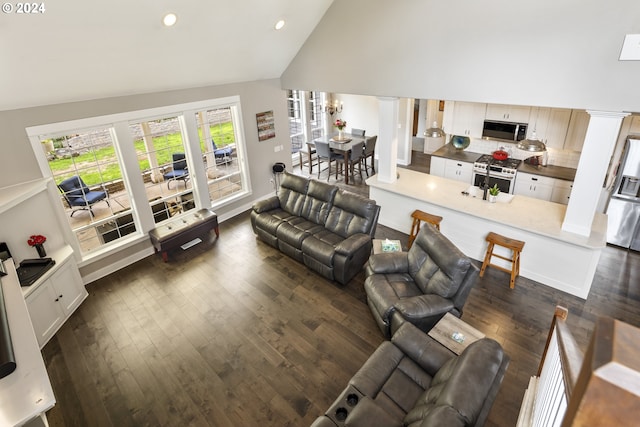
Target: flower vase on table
(340, 124)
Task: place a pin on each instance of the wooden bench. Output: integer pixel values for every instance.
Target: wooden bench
(182, 230)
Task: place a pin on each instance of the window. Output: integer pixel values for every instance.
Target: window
(296, 130)
(121, 174)
(306, 117)
(85, 167)
(219, 153)
(163, 164)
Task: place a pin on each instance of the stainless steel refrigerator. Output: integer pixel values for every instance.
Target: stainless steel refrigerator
(623, 209)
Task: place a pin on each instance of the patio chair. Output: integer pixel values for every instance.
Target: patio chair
(179, 172)
(222, 155)
(79, 196)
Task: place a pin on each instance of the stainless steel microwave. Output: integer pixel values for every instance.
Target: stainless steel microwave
(507, 131)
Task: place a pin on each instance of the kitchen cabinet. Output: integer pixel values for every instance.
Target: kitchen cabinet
(464, 118)
(52, 300)
(432, 144)
(451, 169)
(550, 125)
(578, 125)
(536, 186)
(561, 191)
(508, 113)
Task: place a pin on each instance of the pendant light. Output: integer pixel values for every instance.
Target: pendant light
(434, 131)
(533, 144)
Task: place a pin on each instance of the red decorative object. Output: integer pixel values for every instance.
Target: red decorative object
(500, 155)
(36, 239)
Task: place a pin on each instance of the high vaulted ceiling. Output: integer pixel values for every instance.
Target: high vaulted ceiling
(79, 50)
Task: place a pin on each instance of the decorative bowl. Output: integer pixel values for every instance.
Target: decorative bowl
(460, 142)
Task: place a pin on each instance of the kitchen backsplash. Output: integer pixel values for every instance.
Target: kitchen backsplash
(568, 159)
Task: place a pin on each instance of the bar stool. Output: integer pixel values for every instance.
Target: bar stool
(418, 216)
(514, 245)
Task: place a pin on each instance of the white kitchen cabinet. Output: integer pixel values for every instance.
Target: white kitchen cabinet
(52, 300)
(509, 113)
(451, 169)
(551, 126)
(578, 125)
(459, 171)
(464, 118)
(432, 144)
(561, 191)
(536, 186)
(437, 166)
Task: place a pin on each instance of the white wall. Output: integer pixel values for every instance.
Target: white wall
(362, 112)
(542, 53)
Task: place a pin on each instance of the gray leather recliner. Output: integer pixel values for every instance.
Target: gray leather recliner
(419, 286)
(415, 381)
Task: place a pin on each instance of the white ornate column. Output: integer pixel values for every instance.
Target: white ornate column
(387, 144)
(599, 142)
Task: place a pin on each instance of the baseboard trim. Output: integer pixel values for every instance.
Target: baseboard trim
(120, 264)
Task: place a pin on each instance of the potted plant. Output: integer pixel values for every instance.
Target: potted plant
(493, 193)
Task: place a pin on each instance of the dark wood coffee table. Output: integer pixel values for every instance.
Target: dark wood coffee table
(182, 230)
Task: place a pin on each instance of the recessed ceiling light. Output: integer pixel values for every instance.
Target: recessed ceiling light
(169, 19)
(279, 24)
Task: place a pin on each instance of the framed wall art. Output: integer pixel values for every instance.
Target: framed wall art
(266, 126)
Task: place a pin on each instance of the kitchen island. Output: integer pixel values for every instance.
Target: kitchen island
(551, 256)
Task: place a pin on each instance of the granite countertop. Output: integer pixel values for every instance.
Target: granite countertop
(449, 152)
(551, 171)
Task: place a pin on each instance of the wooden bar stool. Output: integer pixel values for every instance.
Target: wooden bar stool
(418, 216)
(514, 245)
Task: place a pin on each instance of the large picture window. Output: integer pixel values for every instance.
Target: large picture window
(120, 175)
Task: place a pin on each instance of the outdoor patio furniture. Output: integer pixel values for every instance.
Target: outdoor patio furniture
(222, 155)
(179, 171)
(79, 196)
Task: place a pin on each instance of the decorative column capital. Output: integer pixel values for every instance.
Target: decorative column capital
(608, 114)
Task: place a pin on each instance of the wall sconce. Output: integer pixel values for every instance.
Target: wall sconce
(333, 107)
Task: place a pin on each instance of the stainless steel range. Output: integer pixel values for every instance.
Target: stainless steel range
(501, 172)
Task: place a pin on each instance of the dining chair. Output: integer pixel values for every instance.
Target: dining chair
(325, 154)
(370, 152)
(307, 152)
(357, 132)
(356, 156)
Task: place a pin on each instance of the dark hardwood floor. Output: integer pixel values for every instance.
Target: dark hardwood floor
(233, 333)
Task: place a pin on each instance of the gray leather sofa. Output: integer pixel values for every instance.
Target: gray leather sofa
(414, 381)
(326, 228)
(419, 286)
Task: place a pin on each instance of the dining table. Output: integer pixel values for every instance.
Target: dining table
(342, 146)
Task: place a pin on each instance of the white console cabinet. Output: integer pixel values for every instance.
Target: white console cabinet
(55, 296)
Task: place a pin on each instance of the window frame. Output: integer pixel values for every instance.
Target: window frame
(128, 161)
